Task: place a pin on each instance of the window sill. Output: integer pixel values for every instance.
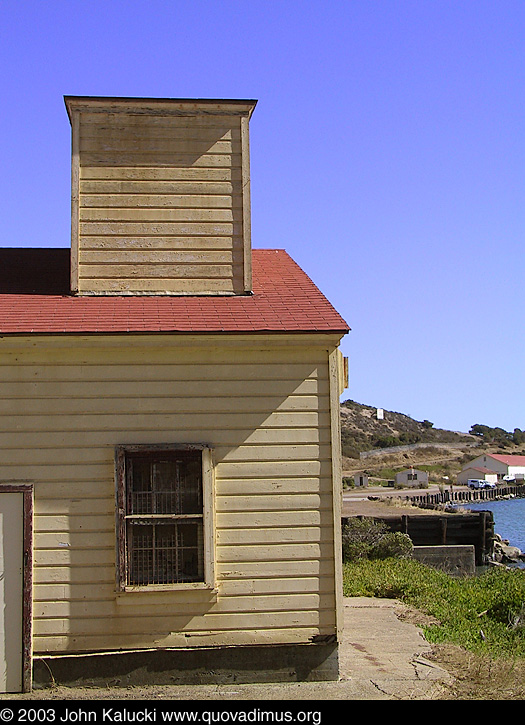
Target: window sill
(183, 587)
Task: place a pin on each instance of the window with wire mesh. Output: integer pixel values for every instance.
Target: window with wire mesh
(163, 504)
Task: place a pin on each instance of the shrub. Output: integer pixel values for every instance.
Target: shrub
(369, 539)
(393, 544)
(360, 536)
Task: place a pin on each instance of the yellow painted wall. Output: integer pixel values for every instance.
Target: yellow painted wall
(266, 407)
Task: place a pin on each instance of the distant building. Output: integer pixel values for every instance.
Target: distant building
(501, 464)
(412, 477)
(480, 473)
(360, 480)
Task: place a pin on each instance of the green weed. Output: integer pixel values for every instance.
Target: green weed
(484, 614)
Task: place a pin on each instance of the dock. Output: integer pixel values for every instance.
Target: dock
(432, 520)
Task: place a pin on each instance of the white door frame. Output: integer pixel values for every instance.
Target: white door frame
(26, 489)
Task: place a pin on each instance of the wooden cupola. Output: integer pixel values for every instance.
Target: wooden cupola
(160, 196)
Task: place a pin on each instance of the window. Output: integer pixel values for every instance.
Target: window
(165, 517)
(412, 477)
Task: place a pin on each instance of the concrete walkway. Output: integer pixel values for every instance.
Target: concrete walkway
(381, 658)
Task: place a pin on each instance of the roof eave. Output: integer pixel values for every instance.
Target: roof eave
(164, 106)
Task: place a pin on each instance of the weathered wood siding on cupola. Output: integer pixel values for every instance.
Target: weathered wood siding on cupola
(160, 196)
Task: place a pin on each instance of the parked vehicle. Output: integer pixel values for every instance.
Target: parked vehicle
(477, 483)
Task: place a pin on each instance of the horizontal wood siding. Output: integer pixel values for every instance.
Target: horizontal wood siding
(161, 204)
(264, 410)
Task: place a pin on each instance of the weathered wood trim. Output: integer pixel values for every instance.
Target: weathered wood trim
(78, 345)
(120, 511)
(26, 489)
(160, 106)
(27, 611)
(75, 198)
(208, 486)
(337, 479)
(246, 205)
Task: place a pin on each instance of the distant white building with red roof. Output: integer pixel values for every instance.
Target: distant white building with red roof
(503, 465)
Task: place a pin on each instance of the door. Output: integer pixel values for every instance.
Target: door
(14, 570)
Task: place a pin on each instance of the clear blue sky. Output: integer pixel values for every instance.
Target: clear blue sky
(387, 156)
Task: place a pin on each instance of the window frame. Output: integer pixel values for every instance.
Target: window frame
(208, 515)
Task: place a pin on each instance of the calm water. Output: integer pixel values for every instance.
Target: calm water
(509, 519)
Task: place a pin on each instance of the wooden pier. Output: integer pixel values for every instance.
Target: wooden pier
(470, 496)
(455, 529)
(446, 526)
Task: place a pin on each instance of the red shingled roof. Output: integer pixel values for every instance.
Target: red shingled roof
(478, 468)
(34, 299)
(508, 460)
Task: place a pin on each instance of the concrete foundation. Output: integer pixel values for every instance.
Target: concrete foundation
(221, 666)
(459, 560)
